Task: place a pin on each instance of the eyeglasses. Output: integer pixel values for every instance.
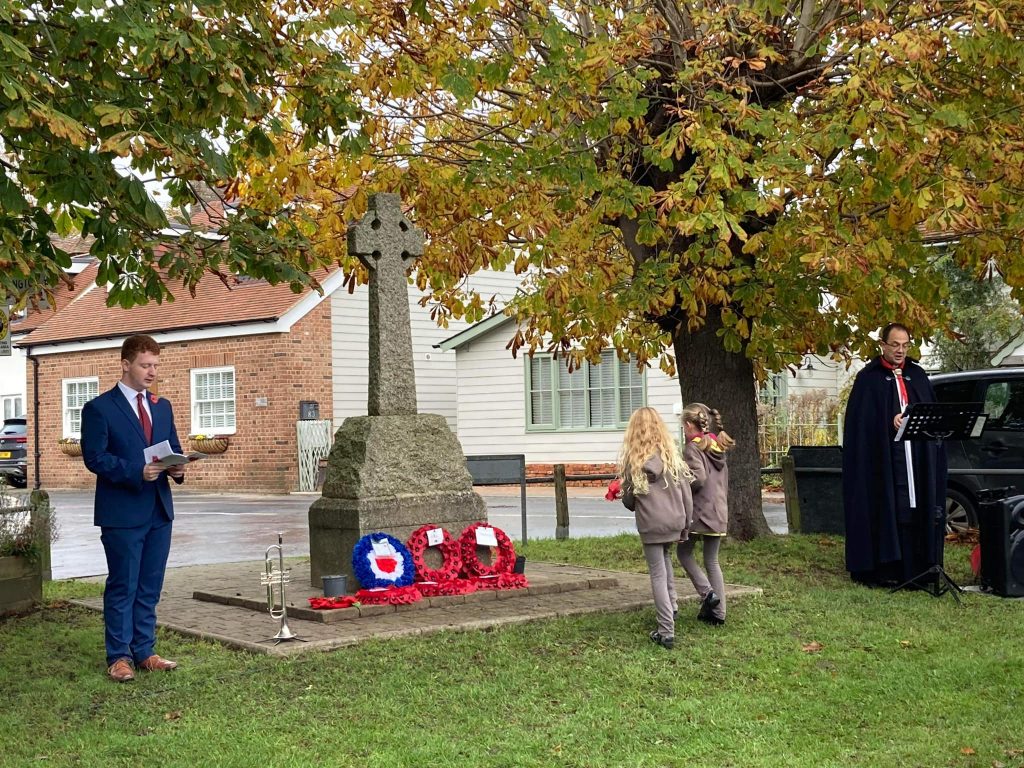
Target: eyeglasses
(898, 347)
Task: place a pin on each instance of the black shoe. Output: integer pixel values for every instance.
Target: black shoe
(707, 605)
(667, 643)
(711, 619)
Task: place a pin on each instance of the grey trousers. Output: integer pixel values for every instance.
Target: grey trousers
(701, 582)
(663, 586)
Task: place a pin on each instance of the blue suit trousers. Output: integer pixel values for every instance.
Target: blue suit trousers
(136, 558)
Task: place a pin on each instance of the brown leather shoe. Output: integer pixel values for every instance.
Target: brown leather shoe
(154, 663)
(121, 671)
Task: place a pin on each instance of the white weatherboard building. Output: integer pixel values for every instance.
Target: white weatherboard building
(12, 382)
(436, 388)
(534, 406)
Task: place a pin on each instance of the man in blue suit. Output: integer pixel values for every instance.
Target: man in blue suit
(133, 505)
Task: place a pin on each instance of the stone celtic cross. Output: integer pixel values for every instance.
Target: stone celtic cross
(387, 244)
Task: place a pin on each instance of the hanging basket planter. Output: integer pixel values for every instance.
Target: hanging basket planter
(71, 449)
(209, 444)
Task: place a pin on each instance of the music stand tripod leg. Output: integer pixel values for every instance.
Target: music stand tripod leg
(936, 588)
(949, 584)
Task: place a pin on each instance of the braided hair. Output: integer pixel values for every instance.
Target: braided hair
(708, 420)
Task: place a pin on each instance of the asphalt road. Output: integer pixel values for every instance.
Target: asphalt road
(224, 528)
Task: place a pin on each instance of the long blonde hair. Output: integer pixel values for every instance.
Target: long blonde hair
(647, 435)
(707, 420)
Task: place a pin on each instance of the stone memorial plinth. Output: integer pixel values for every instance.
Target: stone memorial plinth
(394, 469)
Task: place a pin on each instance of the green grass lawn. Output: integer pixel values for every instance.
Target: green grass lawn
(816, 672)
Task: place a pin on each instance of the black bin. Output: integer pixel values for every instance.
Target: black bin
(819, 485)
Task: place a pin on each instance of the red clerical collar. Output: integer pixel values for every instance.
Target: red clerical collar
(887, 364)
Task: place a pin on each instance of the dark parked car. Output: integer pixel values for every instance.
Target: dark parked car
(1001, 445)
(13, 451)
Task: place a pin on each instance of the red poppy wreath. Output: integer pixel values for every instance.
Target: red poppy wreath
(449, 548)
(503, 557)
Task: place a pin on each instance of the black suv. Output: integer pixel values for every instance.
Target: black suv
(13, 451)
(1001, 445)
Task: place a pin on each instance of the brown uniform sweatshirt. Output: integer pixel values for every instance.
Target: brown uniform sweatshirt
(663, 514)
(710, 486)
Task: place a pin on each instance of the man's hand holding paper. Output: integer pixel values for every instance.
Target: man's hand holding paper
(162, 456)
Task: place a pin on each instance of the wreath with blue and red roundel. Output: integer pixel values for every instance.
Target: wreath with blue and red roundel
(503, 557)
(381, 560)
(451, 563)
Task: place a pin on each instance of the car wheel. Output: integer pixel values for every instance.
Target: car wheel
(960, 512)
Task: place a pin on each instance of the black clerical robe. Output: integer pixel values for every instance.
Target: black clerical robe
(891, 535)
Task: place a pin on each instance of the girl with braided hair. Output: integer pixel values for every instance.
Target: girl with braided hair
(656, 487)
(706, 444)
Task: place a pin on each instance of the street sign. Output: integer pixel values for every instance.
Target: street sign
(5, 335)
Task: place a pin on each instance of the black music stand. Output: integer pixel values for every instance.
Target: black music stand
(938, 422)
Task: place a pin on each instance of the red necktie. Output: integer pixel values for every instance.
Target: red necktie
(901, 387)
(147, 425)
(898, 372)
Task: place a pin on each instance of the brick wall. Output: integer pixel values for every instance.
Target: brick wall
(547, 470)
(262, 456)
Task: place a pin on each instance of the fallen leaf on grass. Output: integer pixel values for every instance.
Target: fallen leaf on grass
(970, 536)
(905, 643)
(812, 647)
(1014, 752)
(175, 715)
(826, 543)
(966, 751)
(997, 764)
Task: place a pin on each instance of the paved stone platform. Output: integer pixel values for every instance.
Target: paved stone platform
(225, 603)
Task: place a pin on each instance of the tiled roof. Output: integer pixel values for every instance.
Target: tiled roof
(62, 296)
(89, 317)
(74, 244)
(937, 236)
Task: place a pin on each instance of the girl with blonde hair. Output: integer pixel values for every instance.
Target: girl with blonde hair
(656, 487)
(705, 454)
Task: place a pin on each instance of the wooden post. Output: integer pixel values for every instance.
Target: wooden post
(789, 489)
(39, 502)
(561, 504)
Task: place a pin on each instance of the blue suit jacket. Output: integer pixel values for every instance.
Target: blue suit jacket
(112, 446)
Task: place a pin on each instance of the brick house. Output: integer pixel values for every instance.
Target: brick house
(234, 362)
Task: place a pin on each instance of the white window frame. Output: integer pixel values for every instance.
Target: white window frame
(66, 408)
(196, 427)
(775, 390)
(13, 406)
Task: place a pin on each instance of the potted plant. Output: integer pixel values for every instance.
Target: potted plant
(26, 533)
(208, 443)
(70, 446)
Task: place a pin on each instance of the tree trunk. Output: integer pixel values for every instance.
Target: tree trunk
(725, 380)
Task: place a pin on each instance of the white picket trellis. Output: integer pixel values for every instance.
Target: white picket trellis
(775, 436)
(314, 440)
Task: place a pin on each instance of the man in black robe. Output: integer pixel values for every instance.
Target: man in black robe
(893, 492)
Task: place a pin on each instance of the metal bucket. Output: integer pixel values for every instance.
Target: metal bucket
(335, 586)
